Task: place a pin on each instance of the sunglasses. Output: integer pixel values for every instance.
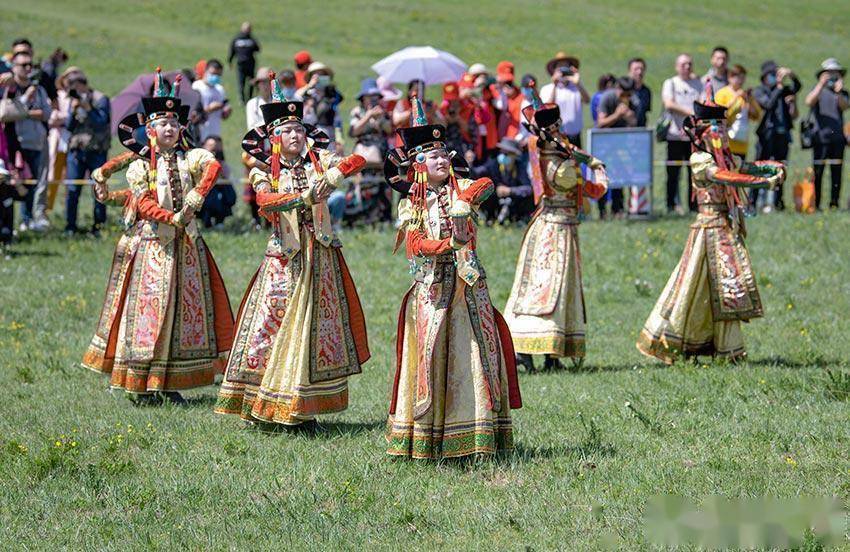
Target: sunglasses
(23, 64)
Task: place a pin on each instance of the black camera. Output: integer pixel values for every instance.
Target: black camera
(34, 76)
(830, 83)
(567, 71)
(72, 93)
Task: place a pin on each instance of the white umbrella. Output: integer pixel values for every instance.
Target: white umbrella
(420, 62)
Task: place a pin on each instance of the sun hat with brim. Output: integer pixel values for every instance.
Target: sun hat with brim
(60, 80)
(559, 59)
(831, 64)
(369, 87)
(262, 75)
(317, 66)
(477, 69)
(509, 146)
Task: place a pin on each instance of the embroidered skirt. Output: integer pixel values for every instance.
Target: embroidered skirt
(455, 381)
(172, 324)
(708, 295)
(545, 311)
(301, 332)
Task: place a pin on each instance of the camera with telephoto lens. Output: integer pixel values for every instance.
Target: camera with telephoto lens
(34, 76)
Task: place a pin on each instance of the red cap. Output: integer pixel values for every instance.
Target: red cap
(302, 57)
(505, 71)
(451, 91)
(466, 81)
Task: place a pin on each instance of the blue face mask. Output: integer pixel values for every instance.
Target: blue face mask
(213, 79)
(771, 80)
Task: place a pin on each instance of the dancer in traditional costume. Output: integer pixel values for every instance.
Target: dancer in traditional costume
(713, 288)
(455, 380)
(168, 322)
(546, 310)
(300, 330)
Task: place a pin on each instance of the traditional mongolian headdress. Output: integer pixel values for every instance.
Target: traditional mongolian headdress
(706, 128)
(263, 142)
(543, 121)
(135, 132)
(404, 167)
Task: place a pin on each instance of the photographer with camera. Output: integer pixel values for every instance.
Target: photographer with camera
(477, 90)
(456, 115)
(615, 111)
(88, 122)
(370, 126)
(777, 96)
(27, 108)
(828, 100)
(567, 92)
(321, 103)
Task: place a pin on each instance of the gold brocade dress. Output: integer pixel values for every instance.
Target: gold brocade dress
(300, 328)
(545, 311)
(167, 323)
(455, 379)
(712, 290)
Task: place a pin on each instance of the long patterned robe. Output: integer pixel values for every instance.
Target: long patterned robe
(100, 354)
(170, 322)
(713, 289)
(455, 379)
(300, 328)
(546, 311)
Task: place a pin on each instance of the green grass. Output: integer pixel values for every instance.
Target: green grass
(585, 462)
(189, 478)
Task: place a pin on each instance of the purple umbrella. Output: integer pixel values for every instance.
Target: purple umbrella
(130, 99)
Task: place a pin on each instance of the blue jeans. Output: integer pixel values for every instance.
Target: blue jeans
(336, 205)
(80, 165)
(33, 160)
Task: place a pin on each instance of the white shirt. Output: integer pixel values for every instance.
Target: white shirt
(210, 94)
(253, 115)
(684, 93)
(568, 98)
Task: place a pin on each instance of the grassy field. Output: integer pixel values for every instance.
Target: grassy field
(86, 470)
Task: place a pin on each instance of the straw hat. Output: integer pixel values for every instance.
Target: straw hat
(559, 59)
(317, 66)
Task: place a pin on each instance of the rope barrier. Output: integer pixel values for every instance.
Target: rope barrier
(88, 182)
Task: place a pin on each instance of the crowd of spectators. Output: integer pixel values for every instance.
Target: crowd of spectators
(57, 126)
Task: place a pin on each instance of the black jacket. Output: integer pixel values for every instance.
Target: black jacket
(777, 113)
(243, 47)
